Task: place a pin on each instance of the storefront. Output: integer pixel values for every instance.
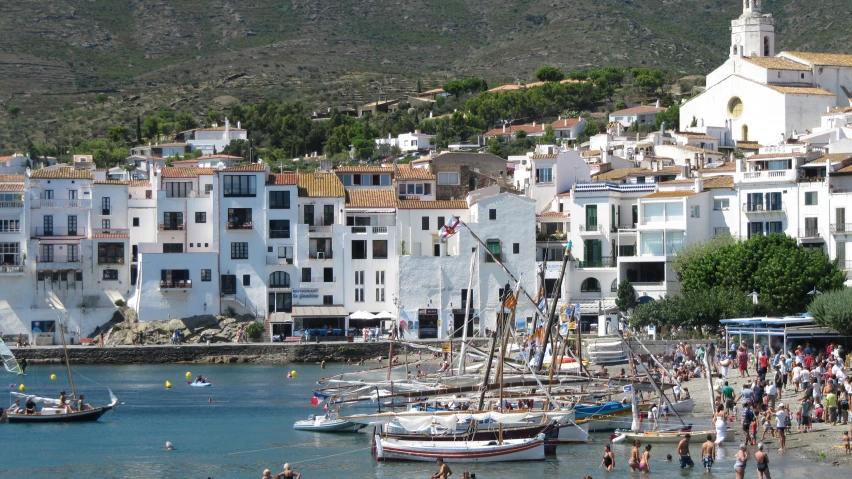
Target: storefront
(281, 324)
(428, 321)
(331, 319)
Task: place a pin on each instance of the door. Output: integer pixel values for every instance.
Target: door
(72, 225)
(328, 275)
(105, 206)
(72, 199)
(635, 215)
(840, 220)
(47, 195)
(612, 219)
(229, 284)
(593, 253)
(309, 215)
(773, 201)
(811, 227)
(591, 217)
(48, 225)
(46, 253)
(328, 215)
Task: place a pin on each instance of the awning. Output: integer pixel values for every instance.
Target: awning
(362, 315)
(590, 306)
(280, 317)
(319, 311)
(385, 315)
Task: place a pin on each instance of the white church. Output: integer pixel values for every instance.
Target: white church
(758, 95)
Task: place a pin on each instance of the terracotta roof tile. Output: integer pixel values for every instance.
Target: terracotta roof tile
(64, 173)
(620, 173)
(587, 154)
(800, 90)
(712, 182)
(749, 145)
(638, 110)
(434, 91)
(513, 129)
(111, 182)
(177, 172)
(552, 214)
(544, 157)
(695, 136)
(565, 123)
(363, 169)
(730, 166)
(110, 235)
(832, 157)
(185, 162)
(432, 205)
(282, 179)
(777, 63)
(12, 178)
(695, 149)
(140, 184)
(257, 167)
(839, 110)
(12, 187)
(408, 173)
(669, 194)
(219, 155)
(320, 185)
(371, 199)
(825, 59)
(764, 156)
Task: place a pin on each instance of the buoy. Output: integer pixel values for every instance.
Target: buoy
(22, 387)
(293, 373)
(168, 385)
(188, 375)
(53, 377)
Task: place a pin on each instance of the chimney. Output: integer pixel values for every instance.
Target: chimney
(239, 124)
(416, 132)
(739, 165)
(542, 127)
(684, 171)
(699, 183)
(533, 124)
(504, 127)
(657, 105)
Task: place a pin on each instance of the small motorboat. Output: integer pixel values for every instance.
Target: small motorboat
(201, 383)
(326, 423)
(530, 449)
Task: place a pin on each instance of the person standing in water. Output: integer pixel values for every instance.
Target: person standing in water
(444, 471)
(645, 463)
(633, 462)
(608, 459)
(683, 452)
(762, 460)
(708, 453)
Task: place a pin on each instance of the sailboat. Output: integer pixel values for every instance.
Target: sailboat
(51, 410)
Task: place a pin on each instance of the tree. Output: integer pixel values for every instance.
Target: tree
(649, 80)
(101, 98)
(13, 110)
(119, 134)
(549, 137)
(625, 298)
(693, 309)
(833, 309)
(138, 129)
(495, 147)
(237, 148)
(549, 73)
(671, 117)
(780, 270)
(151, 128)
(694, 122)
(419, 86)
(213, 117)
(620, 105)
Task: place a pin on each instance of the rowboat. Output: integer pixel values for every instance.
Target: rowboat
(531, 449)
(655, 437)
(326, 423)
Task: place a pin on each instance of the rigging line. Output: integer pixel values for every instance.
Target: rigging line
(332, 455)
(271, 448)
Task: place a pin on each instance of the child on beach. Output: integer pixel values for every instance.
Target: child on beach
(846, 444)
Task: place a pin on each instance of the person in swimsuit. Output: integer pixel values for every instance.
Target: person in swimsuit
(762, 460)
(287, 473)
(708, 453)
(683, 452)
(444, 471)
(645, 463)
(608, 459)
(633, 462)
(741, 459)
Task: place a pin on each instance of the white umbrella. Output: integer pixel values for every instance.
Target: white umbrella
(362, 315)
(384, 315)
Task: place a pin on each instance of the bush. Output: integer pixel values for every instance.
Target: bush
(254, 330)
(120, 303)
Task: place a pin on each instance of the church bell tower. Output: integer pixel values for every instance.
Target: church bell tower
(753, 33)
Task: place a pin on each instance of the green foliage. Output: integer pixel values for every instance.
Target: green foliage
(696, 251)
(549, 136)
(469, 85)
(671, 117)
(101, 98)
(694, 309)
(592, 128)
(651, 81)
(775, 265)
(138, 129)
(13, 110)
(237, 148)
(549, 73)
(833, 309)
(694, 122)
(120, 303)
(119, 134)
(625, 298)
(495, 147)
(544, 101)
(620, 105)
(254, 330)
(213, 117)
(106, 153)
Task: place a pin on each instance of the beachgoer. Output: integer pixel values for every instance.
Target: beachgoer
(747, 418)
(288, 473)
(608, 461)
(708, 453)
(782, 415)
(741, 460)
(169, 446)
(633, 462)
(645, 462)
(267, 474)
(683, 452)
(846, 444)
(444, 471)
(31, 407)
(762, 460)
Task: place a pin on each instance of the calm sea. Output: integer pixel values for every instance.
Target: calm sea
(249, 427)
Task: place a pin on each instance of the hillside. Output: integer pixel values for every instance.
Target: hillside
(189, 55)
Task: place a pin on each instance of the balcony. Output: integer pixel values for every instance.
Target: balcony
(320, 228)
(172, 226)
(764, 209)
(809, 233)
(41, 232)
(602, 262)
(240, 225)
(279, 234)
(841, 228)
(319, 279)
(359, 229)
(778, 176)
(184, 284)
(111, 231)
(11, 229)
(272, 260)
(59, 261)
(11, 269)
(320, 255)
(846, 265)
(11, 204)
(38, 203)
(595, 229)
(380, 230)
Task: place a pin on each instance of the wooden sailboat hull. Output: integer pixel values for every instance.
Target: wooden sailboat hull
(523, 432)
(460, 451)
(90, 415)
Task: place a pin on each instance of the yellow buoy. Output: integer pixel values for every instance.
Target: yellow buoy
(293, 373)
(188, 375)
(53, 377)
(168, 385)
(22, 387)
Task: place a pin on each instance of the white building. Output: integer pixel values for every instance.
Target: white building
(639, 115)
(213, 140)
(13, 164)
(543, 176)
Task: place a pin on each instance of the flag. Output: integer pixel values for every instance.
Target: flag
(450, 228)
(539, 299)
(325, 407)
(628, 388)
(512, 300)
(314, 401)
(577, 312)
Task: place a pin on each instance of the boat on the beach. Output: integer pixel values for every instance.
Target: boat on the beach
(326, 423)
(530, 449)
(671, 436)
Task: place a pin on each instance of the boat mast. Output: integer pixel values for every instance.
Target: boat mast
(552, 309)
(67, 361)
(468, 305)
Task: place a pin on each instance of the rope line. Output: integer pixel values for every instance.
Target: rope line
(271, 448)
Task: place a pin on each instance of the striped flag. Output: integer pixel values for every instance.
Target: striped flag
(450, 228)
(539, 299)
(510, 302)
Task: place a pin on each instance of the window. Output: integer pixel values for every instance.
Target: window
(359, 249)
(239, 250)
(10, 254)
(229, 284)
(328, 275)
(346, 180)
(380, 285)
(135, 221)
(590, 285)
(544, 175)
(359, 286)
(105, 224)
(134, 253)
(110, 275)
(811, 198)
(10, 226)
(695, 211)
(246, 280)
(516, 248)
(755, 228)
(239, 185)
(721, 231)
(200, 217)
(178, 189)
(72, 225)
(208, 189)
(279, 200)
(591, 217)
(427, 188)
(735, 109)
(172, 221)
(172, 247)
(279, 279)
(327, 300)
(78, 276)
(492, 214)
(306, 275)
(448, 178)
(206, 275)
(441, 222)
(110, 253)
(279, 228)
(613, 288)
(149, 194)
(424, 223)
(721, 204)
(239, 218)
(380, 249)
(777, 226)
(105, 206)
(493, 246)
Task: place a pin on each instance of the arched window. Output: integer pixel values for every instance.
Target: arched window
(279, 279)
(766, 46)
(590, 285)
(614, 286)
(745, 133)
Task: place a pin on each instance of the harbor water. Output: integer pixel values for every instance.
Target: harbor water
(243, 424)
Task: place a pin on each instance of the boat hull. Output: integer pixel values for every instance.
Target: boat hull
(338, 425)
(460, 451)
(91, 415)
(525, 432)
(669, 437)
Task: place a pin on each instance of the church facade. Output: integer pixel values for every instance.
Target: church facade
(760, 95)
